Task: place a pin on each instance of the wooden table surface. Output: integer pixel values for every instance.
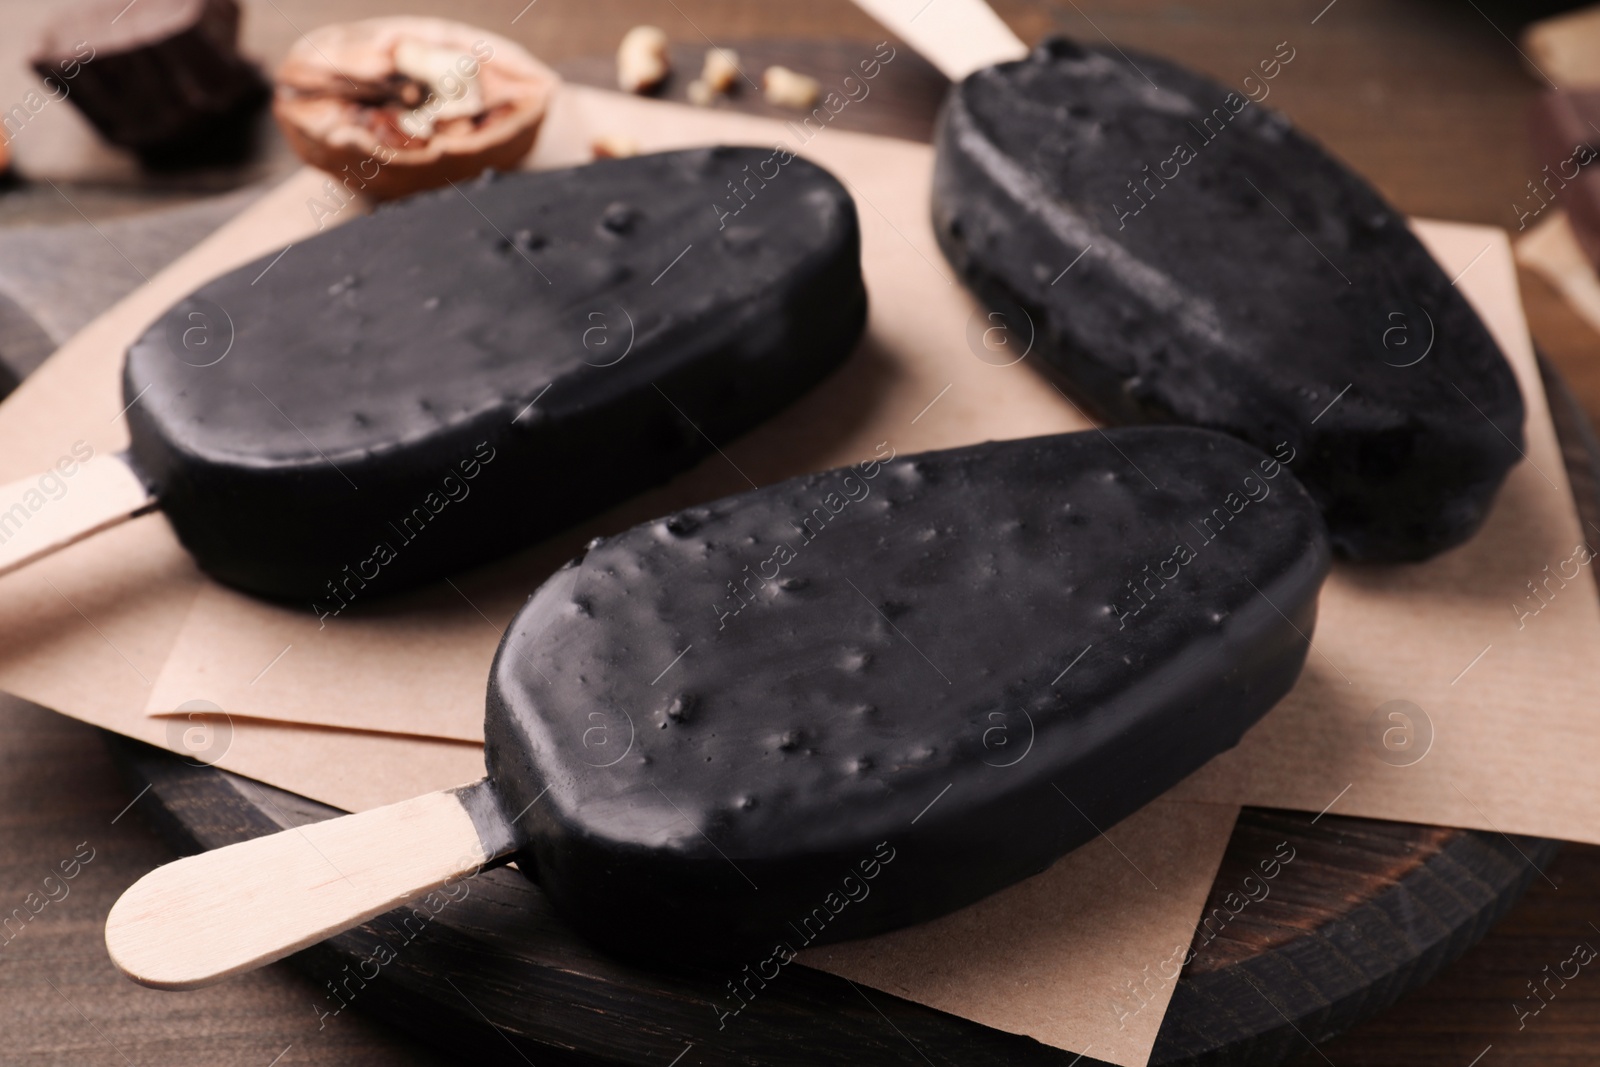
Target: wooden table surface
(1425, 97)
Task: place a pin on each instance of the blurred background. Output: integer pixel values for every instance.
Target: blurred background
(1427, 98)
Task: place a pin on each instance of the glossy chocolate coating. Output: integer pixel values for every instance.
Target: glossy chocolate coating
(942, 657)
(472, 369)
(1198, 302)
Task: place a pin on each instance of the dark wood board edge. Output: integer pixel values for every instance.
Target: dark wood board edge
(1271, 1006)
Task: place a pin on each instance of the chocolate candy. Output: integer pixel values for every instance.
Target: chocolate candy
(866, 697)
(470, 370)
(163, 78)
(1233, 276)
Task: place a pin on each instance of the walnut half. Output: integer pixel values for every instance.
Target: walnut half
(391, 106)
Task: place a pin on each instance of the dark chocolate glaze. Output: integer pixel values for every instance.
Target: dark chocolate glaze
(1205, 306)
(447, 377)
(952, 669)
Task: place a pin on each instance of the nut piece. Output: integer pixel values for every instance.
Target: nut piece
(392, 106)
(785, 88)
(642, 62)
(700, 94)
(721, 70)
(613, 146)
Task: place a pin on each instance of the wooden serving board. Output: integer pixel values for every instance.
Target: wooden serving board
(1368, 911)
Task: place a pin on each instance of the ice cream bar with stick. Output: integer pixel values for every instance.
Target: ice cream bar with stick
(822, 709)
(467, 371)
(1180, 252)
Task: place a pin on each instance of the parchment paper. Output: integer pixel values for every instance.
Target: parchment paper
(1012, 961)
(90, 631)
(1551, 249)
(1499, 676)
(86, 631)
(436, 646)
(1491, 647)
(1056, 958)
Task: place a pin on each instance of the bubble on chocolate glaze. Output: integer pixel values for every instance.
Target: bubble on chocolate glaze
(581, 607)
(855, 660)
(530, 416)
(681, 524)
(343, 285)
(619, 218)
(792, 585)
(860, 765)
(682, 705)
(528, 241)
(790, 741)
(746, 803)
(742, 239)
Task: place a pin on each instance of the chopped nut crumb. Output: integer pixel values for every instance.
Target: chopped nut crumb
(642, 61)
(721, 70)
(785, 88)
(700, 93)
(614, 146)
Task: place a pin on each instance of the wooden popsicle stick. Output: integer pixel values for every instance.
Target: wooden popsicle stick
(1565, 50)
(36, 518)
(957, 36)
(220, 913)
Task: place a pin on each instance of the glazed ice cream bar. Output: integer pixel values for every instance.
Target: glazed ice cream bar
(470, 370)
(1183, 254)
(932, 674)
